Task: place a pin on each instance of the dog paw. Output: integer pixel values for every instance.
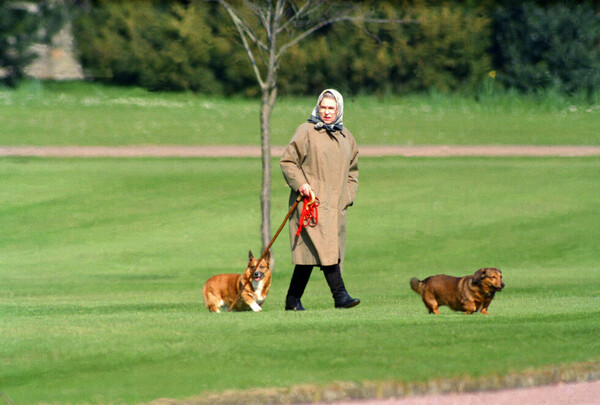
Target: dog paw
(255, 307)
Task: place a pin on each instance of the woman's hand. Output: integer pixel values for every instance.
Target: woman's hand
(305, 190)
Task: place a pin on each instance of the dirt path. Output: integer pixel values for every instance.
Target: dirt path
(276, 151)
(568, 387)
(584, 393)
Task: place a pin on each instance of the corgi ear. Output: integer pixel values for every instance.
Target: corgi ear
(478, 276)
(268, 257)
(250, 255)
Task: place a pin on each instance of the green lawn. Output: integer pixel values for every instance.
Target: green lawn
(102, 262)
(47, 113)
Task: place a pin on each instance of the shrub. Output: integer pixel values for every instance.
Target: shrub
(159, 47)
(166, 46)
(445, 48)
(539, 48)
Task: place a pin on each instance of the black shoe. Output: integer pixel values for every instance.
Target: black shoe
(293, 304)
(298, 283)
(341, 298)
(347, 302)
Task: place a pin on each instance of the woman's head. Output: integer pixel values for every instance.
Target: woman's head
(329, 110)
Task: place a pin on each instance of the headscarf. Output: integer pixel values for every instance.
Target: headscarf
(315, 118)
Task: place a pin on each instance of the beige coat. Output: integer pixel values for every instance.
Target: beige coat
(329, 163)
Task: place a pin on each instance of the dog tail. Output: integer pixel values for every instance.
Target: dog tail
(417, 285)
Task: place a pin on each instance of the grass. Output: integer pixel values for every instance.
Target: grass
(102, 262)
(54, 113)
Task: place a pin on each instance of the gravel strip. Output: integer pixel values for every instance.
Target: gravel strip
(573, 384)
(276, 151)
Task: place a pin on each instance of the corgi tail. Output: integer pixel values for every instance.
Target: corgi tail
(417, 285)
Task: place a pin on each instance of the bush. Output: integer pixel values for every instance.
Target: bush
(159, 47)
(444, 48)
(539, 48)
(162, 46)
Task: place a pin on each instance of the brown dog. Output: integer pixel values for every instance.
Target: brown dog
(468, 293)
(249, 290)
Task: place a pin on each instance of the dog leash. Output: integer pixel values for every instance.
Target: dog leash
(264, 253)
(310, 214)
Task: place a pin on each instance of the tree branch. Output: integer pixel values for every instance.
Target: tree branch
(237, 21)
(260, 13)
(322, 24)
(297, 15)
(241, 24)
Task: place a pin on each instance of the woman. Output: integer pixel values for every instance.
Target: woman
(321, 158)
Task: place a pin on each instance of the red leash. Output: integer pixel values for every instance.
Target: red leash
(310, 214)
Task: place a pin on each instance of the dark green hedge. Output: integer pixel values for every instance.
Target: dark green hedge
(446, 50)
(147, 44)
(555, 47)
(169, 46)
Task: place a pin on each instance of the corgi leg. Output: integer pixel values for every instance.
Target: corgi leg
(249, 300)
(212, 302)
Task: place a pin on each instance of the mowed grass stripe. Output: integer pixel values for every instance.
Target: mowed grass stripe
(91, 114)
(102, 262)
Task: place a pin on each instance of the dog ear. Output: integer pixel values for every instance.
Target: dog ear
(250, 256)
(268, 257)
(479, 274)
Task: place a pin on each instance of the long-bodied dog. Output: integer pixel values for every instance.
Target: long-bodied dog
(469, 293)
(249, 290)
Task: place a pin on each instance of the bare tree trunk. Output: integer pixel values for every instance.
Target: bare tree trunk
(269, 96)
(266, 108)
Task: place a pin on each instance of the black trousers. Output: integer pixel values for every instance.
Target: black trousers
(302, 273)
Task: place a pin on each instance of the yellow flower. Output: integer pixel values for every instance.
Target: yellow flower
(492, 74)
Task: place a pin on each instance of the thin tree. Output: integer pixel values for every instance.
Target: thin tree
(267, 29)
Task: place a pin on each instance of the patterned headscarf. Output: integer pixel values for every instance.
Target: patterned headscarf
(315, 118)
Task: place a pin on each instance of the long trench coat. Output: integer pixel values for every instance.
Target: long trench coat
(329, 163)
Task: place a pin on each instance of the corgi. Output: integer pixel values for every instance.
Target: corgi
(246, 291)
